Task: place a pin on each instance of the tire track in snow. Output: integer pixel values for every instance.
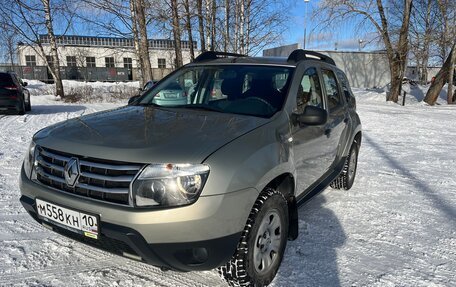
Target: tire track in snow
(152, 275)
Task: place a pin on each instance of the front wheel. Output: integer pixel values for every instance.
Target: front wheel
(263, 241)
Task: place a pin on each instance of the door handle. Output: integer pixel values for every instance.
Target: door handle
(346, 120)
(328, 132)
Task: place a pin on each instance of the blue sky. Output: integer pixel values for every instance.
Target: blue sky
(346, 35)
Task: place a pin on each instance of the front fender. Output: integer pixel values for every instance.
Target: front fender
(253, 160)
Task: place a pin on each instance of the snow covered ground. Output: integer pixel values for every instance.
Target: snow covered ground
(395, 227)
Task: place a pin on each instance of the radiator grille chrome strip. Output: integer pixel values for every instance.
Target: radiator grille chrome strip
(97, 179)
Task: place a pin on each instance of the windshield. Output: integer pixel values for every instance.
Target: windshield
(239, 89)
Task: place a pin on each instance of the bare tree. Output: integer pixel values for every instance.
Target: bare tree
(394, 35)
(122, 18)
(8, 42)
(188, 26)
(446, 39)
(199, 4)
(143, 41)
(247, 26)
(55, 69)
(134, 30)
(176, 34)
(213, 17)
(28, 19)
(423, 27)
(441, 78)
(227, 25)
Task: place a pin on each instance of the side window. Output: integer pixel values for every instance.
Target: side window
(332, 90)
(344, 82)
(309, 91)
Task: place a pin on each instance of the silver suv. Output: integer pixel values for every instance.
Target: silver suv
(214, 182)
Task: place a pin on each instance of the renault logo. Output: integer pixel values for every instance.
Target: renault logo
(72, 172)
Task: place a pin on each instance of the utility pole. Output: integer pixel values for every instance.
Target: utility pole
(305, 22)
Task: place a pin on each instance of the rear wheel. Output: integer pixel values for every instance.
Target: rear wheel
(22, 109)
(260, 250)
(347, 176)
(28, 105)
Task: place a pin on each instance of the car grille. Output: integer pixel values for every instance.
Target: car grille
(99, 179)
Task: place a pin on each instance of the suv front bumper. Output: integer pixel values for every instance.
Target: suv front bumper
(200, 236)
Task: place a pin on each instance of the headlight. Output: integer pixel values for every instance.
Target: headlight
(29, 159)
(169, 184)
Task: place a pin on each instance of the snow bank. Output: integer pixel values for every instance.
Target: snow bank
(87, 92)
(395, 227)
(415, 95)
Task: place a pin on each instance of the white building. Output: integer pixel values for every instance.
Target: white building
(363, 69)
(105, 52)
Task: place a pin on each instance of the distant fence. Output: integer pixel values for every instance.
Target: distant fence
(101, 74)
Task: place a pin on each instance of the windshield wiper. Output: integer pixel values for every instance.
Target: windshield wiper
(201, 107)
(148, 104)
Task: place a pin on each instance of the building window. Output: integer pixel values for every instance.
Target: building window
(110, 62)
(161, 63)
(90, 62)
(30, 60)
(71, 61)
(128, 63)
(50, 60)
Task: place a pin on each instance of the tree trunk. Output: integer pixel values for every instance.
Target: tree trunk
(134, 28)
(143, 41)
(55, 69)
(176, 34)
(227, 25)
(247, 37)
(189, 30)
(241, 27)
(397, 57)
(427, 42)
(450, 94)
(213, 24)
(236, 26)
(441, 78)
(199, 4)
(396, 82)
(207, 20)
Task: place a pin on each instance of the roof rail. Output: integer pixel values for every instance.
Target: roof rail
(212, 55)
(300, 54)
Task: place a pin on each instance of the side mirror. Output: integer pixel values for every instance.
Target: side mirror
(24, 84)
(312, 116)
(133, 99)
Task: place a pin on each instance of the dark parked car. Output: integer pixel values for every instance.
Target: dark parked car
(211, 182)
(13, 94)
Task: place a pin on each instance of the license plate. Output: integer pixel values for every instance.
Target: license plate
(171, 96)
(69, 219)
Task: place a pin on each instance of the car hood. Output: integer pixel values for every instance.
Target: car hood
(147, 134)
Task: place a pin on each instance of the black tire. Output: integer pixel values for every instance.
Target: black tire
(270, 206)
(28, 105)
(22, 110)
(346, 178)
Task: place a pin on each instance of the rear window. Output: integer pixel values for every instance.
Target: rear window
(5, 79)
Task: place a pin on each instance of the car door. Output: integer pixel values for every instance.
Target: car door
(309, 142)
(337, 115)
